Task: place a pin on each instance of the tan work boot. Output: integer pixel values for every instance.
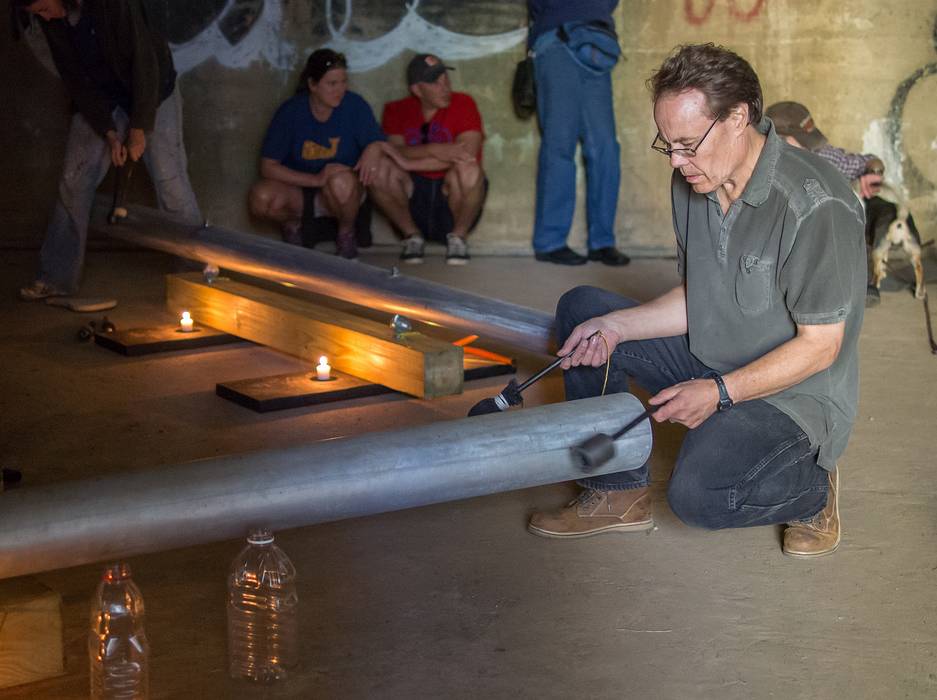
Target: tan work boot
(821, 534)
(595, 512)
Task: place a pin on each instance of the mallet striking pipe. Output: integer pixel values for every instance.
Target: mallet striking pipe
(595, 451)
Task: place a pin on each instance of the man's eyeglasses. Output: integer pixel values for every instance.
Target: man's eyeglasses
(659, 145)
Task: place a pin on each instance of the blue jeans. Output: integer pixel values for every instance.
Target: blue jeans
(87, 160)
(573, 104)
(750, 465)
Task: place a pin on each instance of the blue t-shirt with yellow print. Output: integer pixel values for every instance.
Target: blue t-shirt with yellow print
(296, 139)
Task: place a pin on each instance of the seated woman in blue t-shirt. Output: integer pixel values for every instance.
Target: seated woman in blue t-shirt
(320, 150)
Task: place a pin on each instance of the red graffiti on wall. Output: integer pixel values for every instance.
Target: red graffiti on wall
(693, 16)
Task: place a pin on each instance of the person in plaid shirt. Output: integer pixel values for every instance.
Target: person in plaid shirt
(795, 125)
(793, 122)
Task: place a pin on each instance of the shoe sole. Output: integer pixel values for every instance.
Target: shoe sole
(40, 297)
(456, 261)
(631, 527)
(815, 555)
(412, 261)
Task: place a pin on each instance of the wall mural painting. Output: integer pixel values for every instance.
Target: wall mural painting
(915, 182)
(427, 34)
(697, 11)
(237, 33)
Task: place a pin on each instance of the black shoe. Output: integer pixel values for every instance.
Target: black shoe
(562, 256)
(872, 297)
(609, 256)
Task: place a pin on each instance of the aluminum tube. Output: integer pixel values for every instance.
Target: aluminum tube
(355, 282)
(108, 518)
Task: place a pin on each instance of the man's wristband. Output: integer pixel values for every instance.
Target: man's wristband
(725, 401)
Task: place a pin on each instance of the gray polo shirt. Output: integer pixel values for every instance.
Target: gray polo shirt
(790, 250)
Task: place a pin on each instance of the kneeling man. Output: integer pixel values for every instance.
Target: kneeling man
(756, 350)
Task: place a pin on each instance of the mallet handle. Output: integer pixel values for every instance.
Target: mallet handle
(546, 370)
(647, 414)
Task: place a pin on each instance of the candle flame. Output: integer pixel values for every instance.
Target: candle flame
(186, 316)
(323, 360)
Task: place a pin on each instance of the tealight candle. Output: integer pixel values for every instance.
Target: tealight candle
(323, 369)
(186, 322)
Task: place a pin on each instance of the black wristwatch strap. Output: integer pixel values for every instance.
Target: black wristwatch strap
(725, 401)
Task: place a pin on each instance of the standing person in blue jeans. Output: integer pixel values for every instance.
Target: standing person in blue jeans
(755, 351)
(574, 103)
(118, 71)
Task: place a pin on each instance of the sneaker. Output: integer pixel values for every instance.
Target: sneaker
(40, 290)
(412, 252)
(346, 245)
(595, 512)
(456, 250)
(821, 534)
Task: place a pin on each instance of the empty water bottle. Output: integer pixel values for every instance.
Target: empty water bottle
(262, 602)
(117, 642)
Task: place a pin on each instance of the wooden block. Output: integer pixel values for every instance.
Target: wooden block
(298, 389)
(31, 647)
(414, 363)
(146, 341)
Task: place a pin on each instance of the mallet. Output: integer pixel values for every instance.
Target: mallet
(511, 394)
(592, 453)
(121, 184)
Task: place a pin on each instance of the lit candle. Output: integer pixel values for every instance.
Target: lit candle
(186, 322)
(323, 369)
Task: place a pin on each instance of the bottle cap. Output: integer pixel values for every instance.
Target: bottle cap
(260, 536)
(116, 571)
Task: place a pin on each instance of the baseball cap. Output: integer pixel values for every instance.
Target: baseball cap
(793, 119)
(425, 68)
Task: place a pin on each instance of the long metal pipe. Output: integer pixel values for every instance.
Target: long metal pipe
(79, 522)
(355, 282)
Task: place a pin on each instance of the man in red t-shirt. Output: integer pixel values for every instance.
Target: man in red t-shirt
(438, 135)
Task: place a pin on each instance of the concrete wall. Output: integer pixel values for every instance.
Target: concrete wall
(864, 68)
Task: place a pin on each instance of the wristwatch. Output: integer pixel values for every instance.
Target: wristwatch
(725, 401)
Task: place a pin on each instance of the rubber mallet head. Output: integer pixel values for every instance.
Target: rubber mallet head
(509, 396)
(594, 452)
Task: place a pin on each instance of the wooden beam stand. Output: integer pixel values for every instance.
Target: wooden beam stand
(413, 363)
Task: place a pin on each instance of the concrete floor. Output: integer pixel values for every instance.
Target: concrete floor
(458, 600)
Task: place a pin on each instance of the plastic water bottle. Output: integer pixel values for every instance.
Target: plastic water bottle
(116, 642)
(262, 608)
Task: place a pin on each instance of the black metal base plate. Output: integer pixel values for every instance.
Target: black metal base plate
(146, 341)
(298, 389)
